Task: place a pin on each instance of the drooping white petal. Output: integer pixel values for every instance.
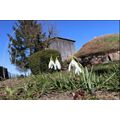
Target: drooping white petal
(55, 67)
(69, 68)
(78, 70)
(73, 64)
(51, 64)
(57, 63)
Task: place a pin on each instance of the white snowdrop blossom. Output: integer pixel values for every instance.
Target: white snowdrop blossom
(74, 64)
(78, 70)
(52, 65)
(57, 63)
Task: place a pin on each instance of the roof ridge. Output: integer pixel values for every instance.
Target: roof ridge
(64, 39)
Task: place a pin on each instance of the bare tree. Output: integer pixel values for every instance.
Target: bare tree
(51, 32)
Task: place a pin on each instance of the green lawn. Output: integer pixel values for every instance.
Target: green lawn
(36, 86)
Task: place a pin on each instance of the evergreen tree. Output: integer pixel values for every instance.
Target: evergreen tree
(29, 38)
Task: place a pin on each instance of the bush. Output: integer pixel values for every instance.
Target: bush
(38, 62)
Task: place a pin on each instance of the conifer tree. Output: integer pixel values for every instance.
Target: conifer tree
(28, 39)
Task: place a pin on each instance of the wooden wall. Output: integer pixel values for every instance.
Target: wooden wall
(66, 48)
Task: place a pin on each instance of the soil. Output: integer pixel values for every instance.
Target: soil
(99, 95)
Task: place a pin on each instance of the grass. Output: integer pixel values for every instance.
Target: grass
(107, 67)
(36, 86)
(106, 70)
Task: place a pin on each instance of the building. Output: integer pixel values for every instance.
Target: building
(3, 73)
(102, 49)
(65, 46)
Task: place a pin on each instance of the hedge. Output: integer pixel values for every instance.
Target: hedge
(38, 62)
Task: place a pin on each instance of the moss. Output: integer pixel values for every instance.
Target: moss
(100, 44)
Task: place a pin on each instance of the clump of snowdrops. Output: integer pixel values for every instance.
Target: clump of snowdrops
(88, 79)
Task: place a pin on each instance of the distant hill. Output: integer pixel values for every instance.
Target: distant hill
(100, 45)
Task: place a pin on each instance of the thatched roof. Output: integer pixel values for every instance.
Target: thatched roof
(98, 45)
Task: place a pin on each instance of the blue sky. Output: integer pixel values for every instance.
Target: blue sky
(81, 31)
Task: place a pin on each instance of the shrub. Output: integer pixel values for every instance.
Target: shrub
(38, 62)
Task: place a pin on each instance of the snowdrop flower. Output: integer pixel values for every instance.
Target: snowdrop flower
(74, 64)
(57, 63)
(52, 65)
(78, 70)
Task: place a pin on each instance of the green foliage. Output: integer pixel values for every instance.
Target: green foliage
(39, 61)
(9, 92)
(114, 83)
(113, 38)
(106, 67)
(28, 39)
(37, 85)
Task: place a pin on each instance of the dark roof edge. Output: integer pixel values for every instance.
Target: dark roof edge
(65, 39)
